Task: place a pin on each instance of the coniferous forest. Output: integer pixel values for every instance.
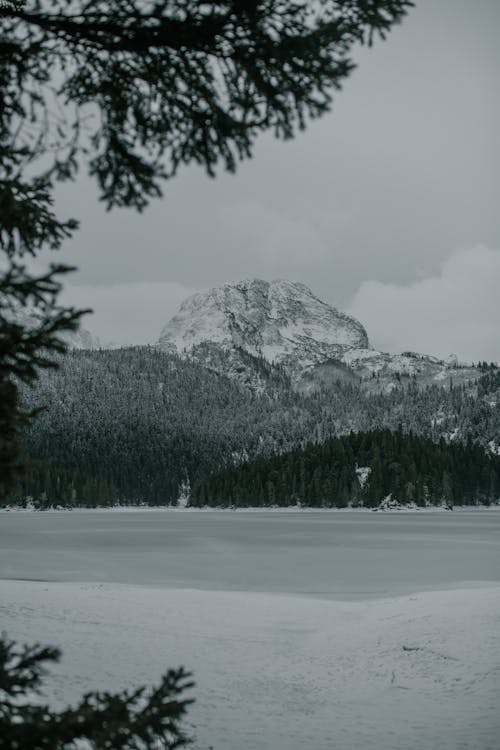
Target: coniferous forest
(359, 469)
(141, 426)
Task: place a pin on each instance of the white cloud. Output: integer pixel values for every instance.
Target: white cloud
(128, 313)
(457, 311)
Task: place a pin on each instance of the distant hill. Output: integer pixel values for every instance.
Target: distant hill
(139, 425)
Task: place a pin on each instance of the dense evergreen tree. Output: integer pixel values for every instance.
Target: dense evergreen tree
(133, 425)
(409, 468)
(142, 719)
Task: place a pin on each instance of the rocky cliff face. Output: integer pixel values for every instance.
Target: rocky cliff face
(237, 328)
(279, 321)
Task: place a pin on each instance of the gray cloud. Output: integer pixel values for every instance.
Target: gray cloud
(273, 238)
(128, 313)
(457, 311)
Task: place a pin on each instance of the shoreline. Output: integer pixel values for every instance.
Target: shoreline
(246, 509)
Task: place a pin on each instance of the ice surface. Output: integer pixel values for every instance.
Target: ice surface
(331, 555)
(341, 666)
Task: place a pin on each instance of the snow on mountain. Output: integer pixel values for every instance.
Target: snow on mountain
(280, 321)
(284, 323)
(378, 368)
(82, 339)
(31, 316)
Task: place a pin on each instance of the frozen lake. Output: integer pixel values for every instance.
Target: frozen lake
(304, 629)
(327, 555)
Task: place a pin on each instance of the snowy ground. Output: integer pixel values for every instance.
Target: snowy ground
(281, 672)
(303, 629)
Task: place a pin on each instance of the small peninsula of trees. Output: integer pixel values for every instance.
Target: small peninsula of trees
(359, 469)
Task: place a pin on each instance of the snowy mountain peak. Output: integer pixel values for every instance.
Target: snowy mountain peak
(30, 317)
(281, 321)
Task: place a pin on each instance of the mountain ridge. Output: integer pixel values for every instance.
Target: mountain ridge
(281, 321)
(286, 324)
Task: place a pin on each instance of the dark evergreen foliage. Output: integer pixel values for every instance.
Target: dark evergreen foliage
(412, 469)
(171, 81)
(142, 719)
(134, 425)
(489, 383)
(28, 341)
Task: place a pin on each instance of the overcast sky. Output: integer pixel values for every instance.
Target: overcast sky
(388, 208)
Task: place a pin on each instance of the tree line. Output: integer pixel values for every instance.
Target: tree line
(359, 469)
(134, 425)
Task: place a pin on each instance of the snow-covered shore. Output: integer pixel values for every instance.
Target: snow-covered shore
(278, 672)
(250, 509)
